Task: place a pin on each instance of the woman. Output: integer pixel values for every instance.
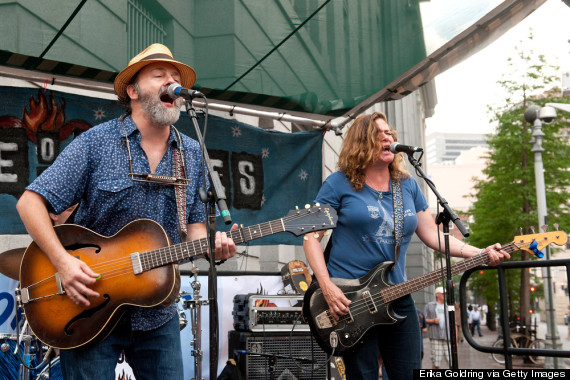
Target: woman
(361, 192)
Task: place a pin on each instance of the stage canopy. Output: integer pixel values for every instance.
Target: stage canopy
(323, 60)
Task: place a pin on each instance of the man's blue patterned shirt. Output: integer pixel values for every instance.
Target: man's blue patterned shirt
(93, 170)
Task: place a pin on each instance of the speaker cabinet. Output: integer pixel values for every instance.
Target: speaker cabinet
(278, 355)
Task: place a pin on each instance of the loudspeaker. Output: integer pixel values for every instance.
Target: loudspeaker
(278, 355)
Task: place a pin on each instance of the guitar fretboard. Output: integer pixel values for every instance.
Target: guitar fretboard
(394, 292)
(200, 247)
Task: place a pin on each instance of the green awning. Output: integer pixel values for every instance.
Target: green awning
(323, 58)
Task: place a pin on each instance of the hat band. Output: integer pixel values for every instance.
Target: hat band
(155, 56)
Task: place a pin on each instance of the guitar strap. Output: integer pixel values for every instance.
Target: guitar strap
(180, 191)
(179, 172)
(398, 202)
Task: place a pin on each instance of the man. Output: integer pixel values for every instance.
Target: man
(99, 170)
(437, 329)
(475, 320)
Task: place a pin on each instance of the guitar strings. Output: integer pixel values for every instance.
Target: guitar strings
(163, 255)
(154, 258)
(386, 295)
(393, 292)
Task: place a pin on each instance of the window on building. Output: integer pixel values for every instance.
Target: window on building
(144, 25)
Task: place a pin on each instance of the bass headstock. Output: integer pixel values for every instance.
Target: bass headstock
(533, 243)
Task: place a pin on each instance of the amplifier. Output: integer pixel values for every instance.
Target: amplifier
(263, 356)
(255, 312)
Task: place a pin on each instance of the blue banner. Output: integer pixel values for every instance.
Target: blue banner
(265, 173)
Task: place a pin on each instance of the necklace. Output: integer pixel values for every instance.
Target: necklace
(382, 186)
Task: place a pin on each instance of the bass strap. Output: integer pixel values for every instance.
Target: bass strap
(398, 202)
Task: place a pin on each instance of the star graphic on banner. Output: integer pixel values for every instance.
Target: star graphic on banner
(264, 152)
(236, 131)
(303, 175)
(99, 114)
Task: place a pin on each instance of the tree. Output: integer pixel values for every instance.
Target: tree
(506, 198)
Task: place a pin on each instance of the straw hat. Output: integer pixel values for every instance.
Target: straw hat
(439, 289)
(153, 53)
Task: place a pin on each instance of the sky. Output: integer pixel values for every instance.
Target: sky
(465, 90)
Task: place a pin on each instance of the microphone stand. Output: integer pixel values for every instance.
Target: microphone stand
(445, 217)
(212, 197)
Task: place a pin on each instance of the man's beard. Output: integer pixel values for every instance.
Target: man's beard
(156, 112)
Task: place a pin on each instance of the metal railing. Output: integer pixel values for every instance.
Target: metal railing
(507, 350)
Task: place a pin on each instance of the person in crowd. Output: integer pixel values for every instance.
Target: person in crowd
(475, 321)
(438, 328)
(379, 206)
(469, 320)
(101, 170)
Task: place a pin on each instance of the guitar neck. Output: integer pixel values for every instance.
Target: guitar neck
(394, 292)
(199, 248)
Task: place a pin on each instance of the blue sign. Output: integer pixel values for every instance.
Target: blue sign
(265, 173)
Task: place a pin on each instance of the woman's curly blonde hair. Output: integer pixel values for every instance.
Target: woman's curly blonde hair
(361, 146)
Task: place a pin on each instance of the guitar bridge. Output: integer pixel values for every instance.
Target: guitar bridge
(369, 301)
(325, 320)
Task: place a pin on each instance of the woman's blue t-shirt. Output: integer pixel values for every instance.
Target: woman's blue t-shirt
(364, 236)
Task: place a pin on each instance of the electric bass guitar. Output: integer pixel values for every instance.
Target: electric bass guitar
(372, 294)
(137, 267)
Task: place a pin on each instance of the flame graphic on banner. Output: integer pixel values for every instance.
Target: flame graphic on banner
(44, 115)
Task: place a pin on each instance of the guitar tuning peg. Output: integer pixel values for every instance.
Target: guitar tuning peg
(545, 228)
(241, 226)
(327, 232)
(318, 204)
(297, 208)
(305, 237)
(307, 206)
(316, 235)
(556, 226)
(532, 229)
(521, 230)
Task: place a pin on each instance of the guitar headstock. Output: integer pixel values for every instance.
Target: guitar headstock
(533, 243)
(310, 219)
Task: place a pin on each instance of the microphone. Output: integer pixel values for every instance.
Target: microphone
(397, 148)
(177, 91)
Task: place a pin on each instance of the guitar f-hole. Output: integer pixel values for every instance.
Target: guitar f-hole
(369, 302)
(86, 314)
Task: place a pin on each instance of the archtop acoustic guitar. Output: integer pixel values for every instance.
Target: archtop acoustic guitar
(138, 267)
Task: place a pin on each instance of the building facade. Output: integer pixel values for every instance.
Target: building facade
(444, 148)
